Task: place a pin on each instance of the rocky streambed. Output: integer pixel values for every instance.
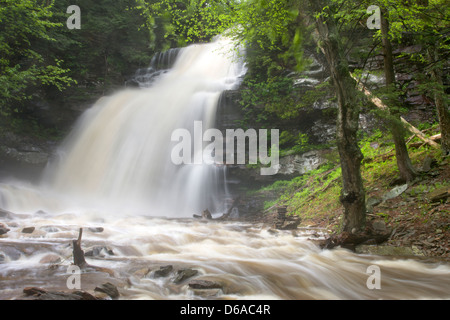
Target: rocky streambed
(138, 257)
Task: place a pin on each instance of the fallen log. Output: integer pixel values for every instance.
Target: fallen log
(436, 137)
(379, 104)
(419, 134)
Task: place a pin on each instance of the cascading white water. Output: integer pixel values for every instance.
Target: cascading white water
(118, 155)
(117, 162)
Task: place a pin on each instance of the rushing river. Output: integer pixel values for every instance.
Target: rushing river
(248, 261)
(115, 179)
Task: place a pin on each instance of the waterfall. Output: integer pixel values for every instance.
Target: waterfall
(118, 155)
(114, 178)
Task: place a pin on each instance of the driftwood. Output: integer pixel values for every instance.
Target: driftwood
(379, 104)
(78, 253)
(80, 261)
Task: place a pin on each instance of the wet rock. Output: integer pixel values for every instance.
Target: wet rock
(50, 229)
(163, 271)
(3, 229)
(207, 293)
(99, 251)
(28, 230)
(206, 214)
(11, 253)
(43, 294)
(50, 259)
(141, 273)
(96, 229)
(184, 274)
(110, 289)
(204, 284)
(6, 214)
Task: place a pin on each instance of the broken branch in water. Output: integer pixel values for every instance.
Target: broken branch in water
(78, 253)
(80, 261)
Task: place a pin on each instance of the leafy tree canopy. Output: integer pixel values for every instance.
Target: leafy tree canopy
(23, 22)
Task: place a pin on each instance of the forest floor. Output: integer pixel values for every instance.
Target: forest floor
(417, 219)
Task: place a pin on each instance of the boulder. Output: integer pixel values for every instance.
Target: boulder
(206, 214)
(439, 194)
(205, 288)
(43, 294)
(3, 229)
(99, 251)
(395, 192)
(6, 214)
(110, 289)
(163, 271)
(184, 274)
(204, 284)
(96, 229)
(28, 230)
(50, 258)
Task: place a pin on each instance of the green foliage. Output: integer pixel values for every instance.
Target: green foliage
(22, 66)
(301, 192)
(262, 100)
(109, 46)
(177, 23)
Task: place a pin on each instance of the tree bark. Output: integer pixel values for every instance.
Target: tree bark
(405, 167)
(353, 193)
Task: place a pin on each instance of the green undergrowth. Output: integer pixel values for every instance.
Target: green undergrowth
(314, 196)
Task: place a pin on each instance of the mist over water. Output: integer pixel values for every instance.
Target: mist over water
(114, 171)
(118, 155)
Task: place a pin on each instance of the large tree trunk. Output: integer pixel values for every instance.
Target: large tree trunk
(407, 172)
(352, 194)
